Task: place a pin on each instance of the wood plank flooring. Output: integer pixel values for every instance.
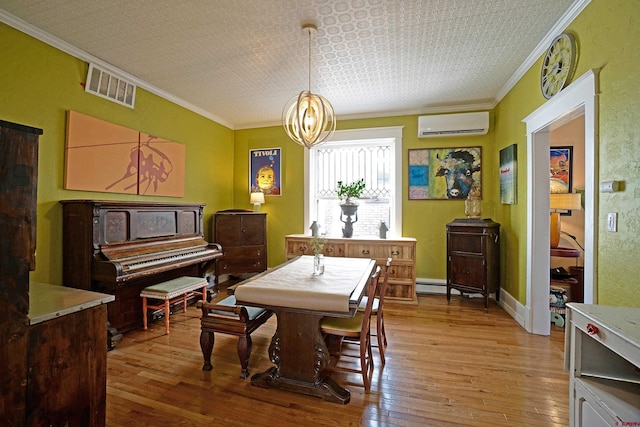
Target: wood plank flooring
(447, 365)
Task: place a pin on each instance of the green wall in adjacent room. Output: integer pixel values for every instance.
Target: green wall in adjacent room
(39, 84)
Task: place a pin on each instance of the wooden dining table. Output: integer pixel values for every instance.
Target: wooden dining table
(300, 300)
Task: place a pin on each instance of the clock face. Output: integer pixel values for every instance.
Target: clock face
(558, 65)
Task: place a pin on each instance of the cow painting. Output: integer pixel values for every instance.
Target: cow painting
(461, 170)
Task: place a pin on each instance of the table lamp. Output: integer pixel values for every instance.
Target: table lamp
(256, 199)
(561, 202)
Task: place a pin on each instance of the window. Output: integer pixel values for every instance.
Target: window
(371, 154)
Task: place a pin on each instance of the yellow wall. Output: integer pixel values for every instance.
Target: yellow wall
(608, 37)
(423, 219)
(39, 83)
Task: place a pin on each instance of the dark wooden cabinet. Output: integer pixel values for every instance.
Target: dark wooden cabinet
(243, 236)
(473, 257)
(53, 353)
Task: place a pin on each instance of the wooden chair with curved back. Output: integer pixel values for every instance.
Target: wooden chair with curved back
(377, 311)
(341, 331)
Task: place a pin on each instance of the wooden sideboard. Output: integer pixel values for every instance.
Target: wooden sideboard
(402, 276)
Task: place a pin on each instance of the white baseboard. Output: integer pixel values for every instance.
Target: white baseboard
(512, 306)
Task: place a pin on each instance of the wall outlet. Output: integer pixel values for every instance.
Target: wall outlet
(612, 221)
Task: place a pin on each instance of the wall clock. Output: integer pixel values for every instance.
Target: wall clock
(558, 65)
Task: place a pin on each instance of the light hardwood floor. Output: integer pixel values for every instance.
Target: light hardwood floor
(447, 365)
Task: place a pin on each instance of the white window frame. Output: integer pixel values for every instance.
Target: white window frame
(395, 134)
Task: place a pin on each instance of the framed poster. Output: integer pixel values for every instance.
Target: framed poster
(560, 159)
(264, 171)
(509, 175)
(444, 173)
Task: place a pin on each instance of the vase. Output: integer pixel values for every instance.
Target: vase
(473, 206)
(318, 264)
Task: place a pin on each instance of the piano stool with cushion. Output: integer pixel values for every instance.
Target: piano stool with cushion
(169, 292)
(228, 318)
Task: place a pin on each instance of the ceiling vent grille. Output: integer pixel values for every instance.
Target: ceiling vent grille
(110, 86)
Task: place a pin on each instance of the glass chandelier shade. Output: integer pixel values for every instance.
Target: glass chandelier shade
(308, 119)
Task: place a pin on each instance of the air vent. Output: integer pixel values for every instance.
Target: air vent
(110, 86)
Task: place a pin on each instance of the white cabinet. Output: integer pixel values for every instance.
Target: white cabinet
(602, 354)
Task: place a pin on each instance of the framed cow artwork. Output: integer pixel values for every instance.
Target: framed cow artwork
(444, 173)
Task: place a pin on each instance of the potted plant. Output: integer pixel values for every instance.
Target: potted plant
(346, 192)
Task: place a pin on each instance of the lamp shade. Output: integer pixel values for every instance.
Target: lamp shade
(256, 198)
(561, 202)
(565, 201)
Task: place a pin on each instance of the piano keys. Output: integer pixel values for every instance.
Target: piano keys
(121, 247)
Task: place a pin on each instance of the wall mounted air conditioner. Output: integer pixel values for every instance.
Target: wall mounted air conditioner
(453, 124)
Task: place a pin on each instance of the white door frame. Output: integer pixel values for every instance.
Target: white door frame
(582, 94)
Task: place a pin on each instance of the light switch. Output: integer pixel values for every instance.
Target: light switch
(612, 221)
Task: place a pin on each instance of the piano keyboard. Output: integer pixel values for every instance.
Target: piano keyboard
(166, 259)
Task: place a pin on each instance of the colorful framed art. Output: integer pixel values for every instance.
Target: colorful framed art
(444, 173)
(560, 171)
(509, 175)
(265, 171)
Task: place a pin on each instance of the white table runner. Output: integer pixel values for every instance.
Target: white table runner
(294, 285)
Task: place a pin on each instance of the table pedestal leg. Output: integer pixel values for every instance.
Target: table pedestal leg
(300, 355)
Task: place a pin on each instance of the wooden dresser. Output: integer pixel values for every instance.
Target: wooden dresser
(602, 355)
(473, 257)
(402, 277)
(243, 236)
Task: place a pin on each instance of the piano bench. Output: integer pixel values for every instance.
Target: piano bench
(169, 292)
(228, 318)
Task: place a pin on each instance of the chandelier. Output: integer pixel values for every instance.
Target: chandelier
(308, 118)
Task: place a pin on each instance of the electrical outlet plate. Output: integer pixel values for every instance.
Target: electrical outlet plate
(612, 221)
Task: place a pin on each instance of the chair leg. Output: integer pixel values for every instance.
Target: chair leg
(382, 338)
(244, 352)
(206, 345)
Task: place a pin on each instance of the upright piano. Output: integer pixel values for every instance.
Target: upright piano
(121, 247)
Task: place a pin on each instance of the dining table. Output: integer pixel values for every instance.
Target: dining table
(300, 299)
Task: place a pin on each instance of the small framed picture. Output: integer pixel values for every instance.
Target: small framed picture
(560, 161)
(264, 171)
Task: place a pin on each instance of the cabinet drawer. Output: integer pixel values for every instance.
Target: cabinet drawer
(400, 271)
(243, 251)
(382, 251)
(400, 290)
(230, 266)
(466, 243)
(298, 247)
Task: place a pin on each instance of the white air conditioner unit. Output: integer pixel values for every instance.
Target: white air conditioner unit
(453, 124)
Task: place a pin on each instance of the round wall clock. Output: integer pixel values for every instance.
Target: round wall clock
(558, 65)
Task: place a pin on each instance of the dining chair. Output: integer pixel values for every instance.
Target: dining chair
(345, 331)
(377, 311)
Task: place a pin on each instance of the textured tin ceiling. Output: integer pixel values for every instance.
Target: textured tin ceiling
(239, 61)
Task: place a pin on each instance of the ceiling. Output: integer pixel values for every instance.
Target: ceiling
(239, 61)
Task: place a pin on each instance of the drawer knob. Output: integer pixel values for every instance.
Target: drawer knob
(365, 252)
(329, 250)
(303, 249)
(395, 253)
(592, 329)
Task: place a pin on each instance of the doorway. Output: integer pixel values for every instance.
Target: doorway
(579, 98)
